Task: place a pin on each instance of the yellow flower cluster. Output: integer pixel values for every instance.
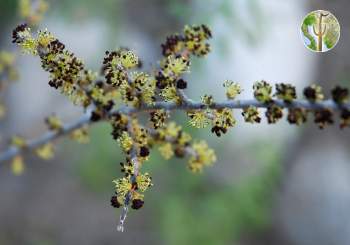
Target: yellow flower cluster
(223, 120)
(204, 156)
(32, 15)
(232, 89)
(81, 135)
(251, 114)
(67, 72)
(262, 91)
(128, 90)
(166, 150)
(125, 141)
(8, 72)
(128, 189)
(18, 141)
(46, 151)
(199, 119)
(54, 123)
(123, 83)
(194, 39)
(17, 165)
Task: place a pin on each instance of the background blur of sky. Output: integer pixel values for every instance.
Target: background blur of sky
(272, 184)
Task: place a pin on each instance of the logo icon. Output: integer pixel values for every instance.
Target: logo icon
(320, 31)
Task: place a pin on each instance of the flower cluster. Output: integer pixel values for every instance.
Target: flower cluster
(134, 88)
(67, 72)
(251, 114)
(32, 13)
(313, 93)
(128, 189)
(122, 91)
(262, 91)
(8, 71)
(177, 51)
(285, 92)
(194, 39)
(8, 74)
(232, 89)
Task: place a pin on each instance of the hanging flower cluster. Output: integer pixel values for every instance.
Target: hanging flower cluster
(121, 91)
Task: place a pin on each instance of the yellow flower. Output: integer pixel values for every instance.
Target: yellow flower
(46, 151)
(184, 138)
(54, 123)
(128, 59)
(166, 151)
(122, 186)
(175, 66)
(125, 142)
(169, 93)
(207, 99)
(80, 135)
(199, 119)
(262, 91)
(223, 120)
(195, 39)
(144, 181)
(127, 168)
(45, 38)
(232, 89)
(145, 85)
(17, 165)
(158, 118)
(171, 130)
(251, 114)
(204, 156)
(18, 141)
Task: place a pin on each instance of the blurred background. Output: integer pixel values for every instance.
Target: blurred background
(272, 184)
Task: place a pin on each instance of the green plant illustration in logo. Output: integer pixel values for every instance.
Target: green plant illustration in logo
(320, 30)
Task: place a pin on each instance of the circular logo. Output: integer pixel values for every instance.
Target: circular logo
(320, 31)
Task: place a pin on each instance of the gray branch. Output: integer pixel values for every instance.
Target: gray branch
(188, 105)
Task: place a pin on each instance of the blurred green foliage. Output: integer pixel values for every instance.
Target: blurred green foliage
(99, 164)
(209, 213)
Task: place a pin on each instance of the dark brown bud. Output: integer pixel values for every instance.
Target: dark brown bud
(114, 202)
(144, 151)
(181, 84)
(95, 116)
(137, 204)
(340, 95)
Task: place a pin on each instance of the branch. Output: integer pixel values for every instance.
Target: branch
(189, 105)
(45, 138)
